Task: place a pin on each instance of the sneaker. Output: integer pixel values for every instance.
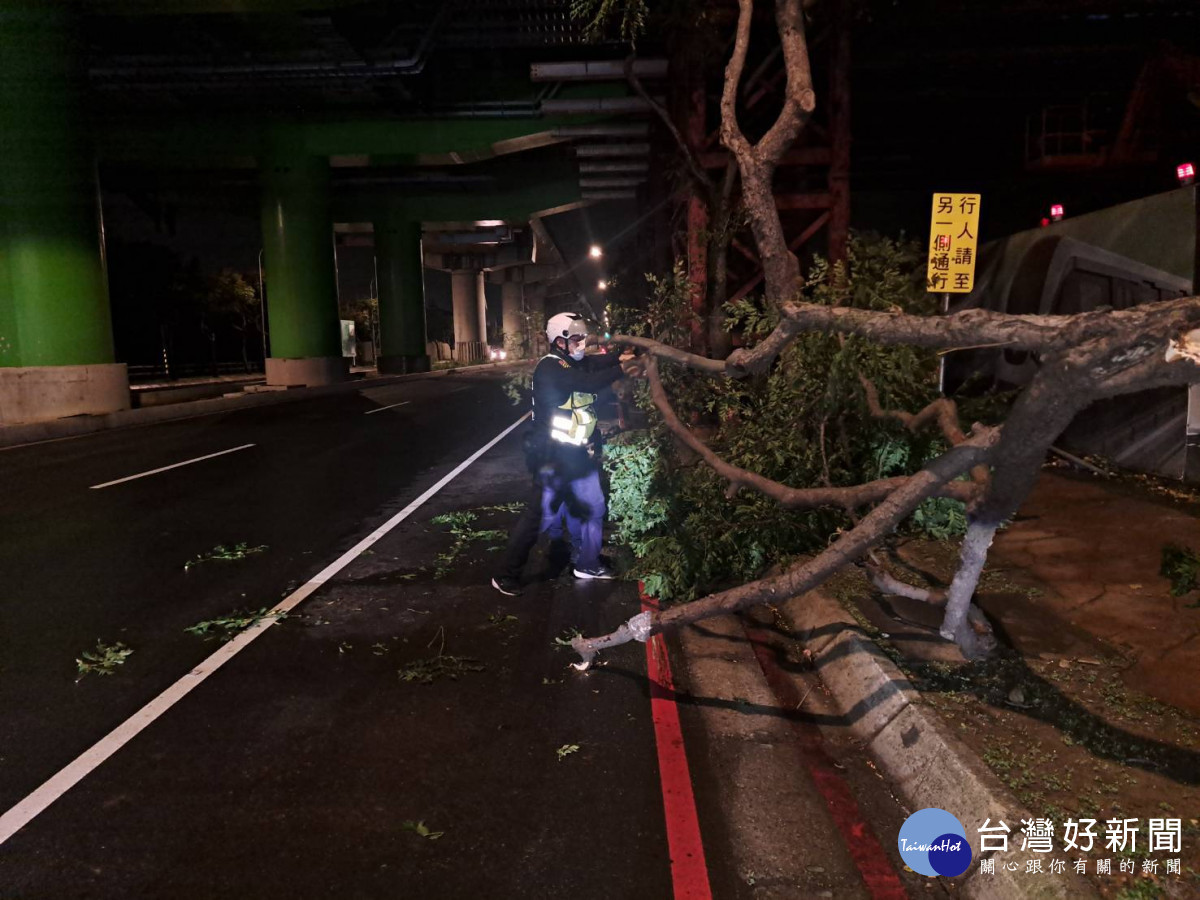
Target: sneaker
(509, 587)
(600, 571)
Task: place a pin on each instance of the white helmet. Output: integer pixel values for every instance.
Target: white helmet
(565, 325)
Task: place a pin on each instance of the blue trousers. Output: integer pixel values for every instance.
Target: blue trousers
(581, 500)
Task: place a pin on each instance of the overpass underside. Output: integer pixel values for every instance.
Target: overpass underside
(456, 192)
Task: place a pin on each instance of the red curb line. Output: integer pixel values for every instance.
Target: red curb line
(872, 862)
(689, 871)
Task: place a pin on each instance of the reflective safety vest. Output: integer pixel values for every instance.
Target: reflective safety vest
(574, 421)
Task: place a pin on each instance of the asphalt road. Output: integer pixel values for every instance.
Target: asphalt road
(293, 769)
(310, 763)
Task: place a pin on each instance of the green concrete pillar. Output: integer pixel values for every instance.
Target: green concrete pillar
(299, 268)
(401, 295)
(56, 346)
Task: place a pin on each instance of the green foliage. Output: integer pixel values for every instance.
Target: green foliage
(629, 17)
(513, 507)
(229, 293)
(222, 552)
(566, 750)
(225, 627)
(639, 503)
(421, 830)
(103, 660)
(427, 671)
(364, 313)
(668, 316)
(803, 424)
(465, 533)
(1181, 566)
(938, 518)
(518, 385)
(564, 639)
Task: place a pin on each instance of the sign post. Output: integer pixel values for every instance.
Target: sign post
(953, 241)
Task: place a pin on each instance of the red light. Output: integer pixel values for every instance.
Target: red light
(1044, 222)
(1056, 211)
(1185, 172)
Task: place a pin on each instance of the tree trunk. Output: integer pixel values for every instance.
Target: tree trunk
(972, 556)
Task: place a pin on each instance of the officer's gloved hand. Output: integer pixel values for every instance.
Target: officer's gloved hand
(631, 365)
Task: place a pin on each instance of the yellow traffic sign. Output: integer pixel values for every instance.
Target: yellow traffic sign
(953, 238)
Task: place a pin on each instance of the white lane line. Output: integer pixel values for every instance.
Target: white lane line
(21, 814)
(382, 408)
(186, 462)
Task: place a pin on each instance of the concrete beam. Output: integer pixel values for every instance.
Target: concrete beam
(603, 129)
(527, 274)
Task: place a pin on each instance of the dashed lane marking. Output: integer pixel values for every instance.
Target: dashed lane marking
(34, 804)
(382, 408)
(186, 462)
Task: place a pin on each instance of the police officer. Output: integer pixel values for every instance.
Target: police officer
(560, 452)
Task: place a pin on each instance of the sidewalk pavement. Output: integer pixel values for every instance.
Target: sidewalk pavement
(188, 407)
(1080, 579)
(1093, 548)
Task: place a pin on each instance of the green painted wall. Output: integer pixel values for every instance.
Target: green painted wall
(523, 185)
(53, 293)
(298, 255)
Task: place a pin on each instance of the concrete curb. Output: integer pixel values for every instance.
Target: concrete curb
(929, 766)
(76, 426)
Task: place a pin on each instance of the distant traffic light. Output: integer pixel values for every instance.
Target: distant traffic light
(1185, 172)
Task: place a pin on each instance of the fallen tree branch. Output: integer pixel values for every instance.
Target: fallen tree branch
(943, 410)
(1151, 323)
(666, 351)
(849, 498)
(886, 583)
(875, 526)
(1158, 324)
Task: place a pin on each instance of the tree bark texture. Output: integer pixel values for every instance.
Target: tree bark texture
(1081, 358)
(875, 525)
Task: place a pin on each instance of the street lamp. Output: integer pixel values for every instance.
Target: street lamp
(595, 252)
(602, 284)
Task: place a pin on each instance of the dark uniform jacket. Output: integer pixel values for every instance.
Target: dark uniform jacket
(555, 379)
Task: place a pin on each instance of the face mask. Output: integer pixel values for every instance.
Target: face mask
(577, 353)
